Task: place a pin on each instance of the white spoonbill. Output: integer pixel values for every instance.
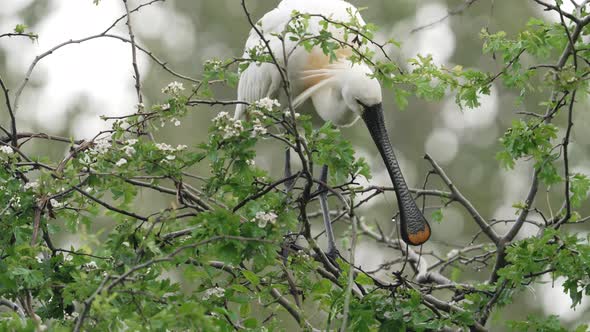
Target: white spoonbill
(340, 91)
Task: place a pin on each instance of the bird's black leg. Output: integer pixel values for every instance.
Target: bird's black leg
(332, 251)
(288, 187)
(288, 174)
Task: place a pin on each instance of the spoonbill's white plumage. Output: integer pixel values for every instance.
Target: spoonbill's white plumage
(311, 74)
(340, 91)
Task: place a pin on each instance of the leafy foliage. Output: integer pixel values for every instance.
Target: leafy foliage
(244, 242)
(550, 324)
(531, 139)
(564, 255)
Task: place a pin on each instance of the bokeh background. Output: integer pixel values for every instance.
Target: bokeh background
(70, 89)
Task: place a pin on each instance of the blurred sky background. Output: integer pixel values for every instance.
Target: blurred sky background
(70, 89)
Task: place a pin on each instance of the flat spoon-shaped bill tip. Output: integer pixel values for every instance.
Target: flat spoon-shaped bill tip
(417, 237)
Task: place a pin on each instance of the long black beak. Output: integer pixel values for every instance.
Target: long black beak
(415, 230)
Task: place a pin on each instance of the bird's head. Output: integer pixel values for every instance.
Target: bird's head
(359, 89)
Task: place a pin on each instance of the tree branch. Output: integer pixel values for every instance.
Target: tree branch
(481, 222)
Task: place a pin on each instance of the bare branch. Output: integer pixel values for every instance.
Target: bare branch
(88, 304)
(566, 141)
(351, 275)
(14, 307)
(109, 206)
(179, 250)
(11, 113)
(457, 11)
(18, 34)
(133, 55)
(549, 7)
(482, 223)
(79, 41)
(129, 12)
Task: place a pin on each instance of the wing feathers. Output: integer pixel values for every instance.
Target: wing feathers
(257, 82)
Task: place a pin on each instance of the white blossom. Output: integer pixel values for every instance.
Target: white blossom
(140, 107)
(181, 147)
(131, 141)
(173, 88)
(73, 316)
(86, 159)
(55, 203)
(90, 266)
(250, 162)
(121, 162)
(101, 146)
(215, 65)
(176, 122)
(267, 104)
(31, 185)
(129, 150)
(14, 202)
(228, 126)
(170, 157)
(215, 291)
(124, 124)
(288, 114)
(164, 147)
(221, 117)
(258, 128)
(257, 114)
(232, 130)
(6, 149)
(303, 255)
(263, 218)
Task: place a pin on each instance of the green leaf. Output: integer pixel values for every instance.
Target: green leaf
(364, 280)
(251, 277)
(579, 187)
(437, 216)
(251, 323)
(20, 28)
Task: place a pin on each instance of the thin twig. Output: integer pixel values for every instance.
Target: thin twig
(348, 292)
(41, 56)
(179, 250)
(137, 76)
(457, 195)
(109, 206)
(566, 141)
(10, 113)
(457, 11)
(88, 304)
